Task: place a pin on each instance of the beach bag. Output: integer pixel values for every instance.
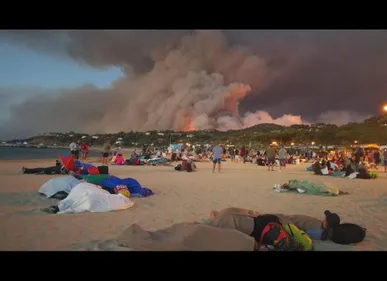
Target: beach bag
(275, 237)
(347, 233)
(103, 170)
(299, 236)
(178, 167)
(122, 189)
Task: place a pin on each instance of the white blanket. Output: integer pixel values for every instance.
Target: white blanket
(87, 197)
(56, 185)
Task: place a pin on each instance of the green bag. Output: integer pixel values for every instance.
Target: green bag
(299, 236)
(95, 179)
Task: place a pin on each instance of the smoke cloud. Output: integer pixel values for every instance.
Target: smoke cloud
(192, 80)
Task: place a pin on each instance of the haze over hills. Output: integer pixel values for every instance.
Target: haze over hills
(372, 130)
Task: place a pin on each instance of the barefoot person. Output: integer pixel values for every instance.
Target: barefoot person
(270, 155)
(216, 157)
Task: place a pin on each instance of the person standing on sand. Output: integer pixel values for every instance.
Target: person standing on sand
(270, 155)
(85, 150)
(105, 153)
(216, 157)
(282, 154)
(74, 149)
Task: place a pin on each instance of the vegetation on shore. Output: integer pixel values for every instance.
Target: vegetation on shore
(372, 130)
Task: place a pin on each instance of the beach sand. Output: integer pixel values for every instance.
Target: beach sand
(180, 197)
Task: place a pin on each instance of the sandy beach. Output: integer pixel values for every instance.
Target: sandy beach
(180, 197)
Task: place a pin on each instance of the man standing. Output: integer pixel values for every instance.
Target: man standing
(74, 149)
(282, 154)
(270, 155)
(105, 153)
(216, 157)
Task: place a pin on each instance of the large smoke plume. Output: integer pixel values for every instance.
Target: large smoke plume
(185, 80)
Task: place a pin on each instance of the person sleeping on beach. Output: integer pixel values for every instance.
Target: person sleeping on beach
(52, 170)
(253, 224)
(87, 197)
(306, 187)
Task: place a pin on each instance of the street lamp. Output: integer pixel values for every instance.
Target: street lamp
(313, 143)
(385, 108)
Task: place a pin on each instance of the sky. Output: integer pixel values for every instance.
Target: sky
(22, 68)
(103, 81)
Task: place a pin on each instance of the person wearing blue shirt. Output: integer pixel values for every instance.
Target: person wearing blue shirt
(216, 157)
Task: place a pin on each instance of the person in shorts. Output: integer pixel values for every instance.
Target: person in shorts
(270, 155)
(105, 153)
(282, 154)
(216, 157)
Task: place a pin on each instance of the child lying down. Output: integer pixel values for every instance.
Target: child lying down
(253, 224)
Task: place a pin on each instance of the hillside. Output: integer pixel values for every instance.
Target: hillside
(372, 130)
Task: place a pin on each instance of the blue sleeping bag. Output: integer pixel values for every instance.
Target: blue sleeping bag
(85, 166)
(133, 185)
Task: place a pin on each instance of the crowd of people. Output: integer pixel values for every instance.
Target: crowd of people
(358, 159)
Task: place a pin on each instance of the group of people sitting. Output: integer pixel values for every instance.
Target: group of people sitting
(349, 167)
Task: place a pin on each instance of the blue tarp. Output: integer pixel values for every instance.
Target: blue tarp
(176, 147)
(85, 166)
(133, 185)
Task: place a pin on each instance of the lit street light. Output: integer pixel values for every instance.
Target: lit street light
(385, 108)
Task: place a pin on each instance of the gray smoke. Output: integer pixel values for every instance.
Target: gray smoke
(186, 80)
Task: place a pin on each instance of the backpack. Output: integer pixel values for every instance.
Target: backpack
(122, 189)
(299, 236)
(373, 174)
(348, 233)
(276, 238)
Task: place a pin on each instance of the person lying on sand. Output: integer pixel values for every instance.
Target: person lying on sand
(186, 165)
(52, 170)
(87, 197)
(310, 188)
(252, 223)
